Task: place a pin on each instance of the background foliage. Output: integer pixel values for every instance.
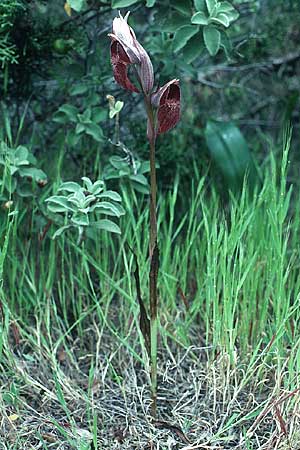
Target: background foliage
(56, 75)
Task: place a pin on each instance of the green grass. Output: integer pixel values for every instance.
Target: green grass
(228, 298)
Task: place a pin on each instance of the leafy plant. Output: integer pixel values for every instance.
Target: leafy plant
(80, 123)
(82, 207)
(18, 171)
(214, 16)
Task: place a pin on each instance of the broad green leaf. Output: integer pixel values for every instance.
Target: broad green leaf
(88, 183)
(226, 44)
(112, 195)
(88, 200)
(69, 186)
(78, 89)
(229, 151)
(86, 116)
(232, 15)
(117, 162)
(150, 3)
(194, 48)
(199, 18)
(140, 188)
(145, 167)
(58, 203)
(80, 128)
(226, 7)
(107, 225)
(174, 22)
(112, 210)
(24, 190)
(210, 5)
(200, 5)
(21, 153)
(184, 7)
(183, 35)
(72, 138)
(99, 114)
(221, 19)
(212, 39)
(33, 172)
(80, 219)
(77, 5)
(70, 111)
(124, 172)
(10, 184)
(95, 131)
(139, 178)
(123, 3)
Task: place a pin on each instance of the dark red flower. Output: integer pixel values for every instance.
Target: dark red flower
(167, 102)
(126, 50)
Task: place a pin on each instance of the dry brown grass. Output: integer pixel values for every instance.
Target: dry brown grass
(202, 404)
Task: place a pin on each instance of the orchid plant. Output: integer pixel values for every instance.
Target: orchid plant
(162, 107)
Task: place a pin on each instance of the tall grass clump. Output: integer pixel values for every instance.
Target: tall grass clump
(229, 296)
(229, 271)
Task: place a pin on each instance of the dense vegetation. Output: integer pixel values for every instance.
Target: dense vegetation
(74, 228)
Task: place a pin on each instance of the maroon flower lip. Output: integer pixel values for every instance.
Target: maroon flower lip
(167, 101)
(120, 63)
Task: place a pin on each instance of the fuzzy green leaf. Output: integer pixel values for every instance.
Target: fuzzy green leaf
(212, 39)
(183, 35)
(210, 5)
(107, 225)
(200, 5)
(77, 5)
(199, 18)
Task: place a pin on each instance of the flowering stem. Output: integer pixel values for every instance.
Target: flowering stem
(154, 258)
